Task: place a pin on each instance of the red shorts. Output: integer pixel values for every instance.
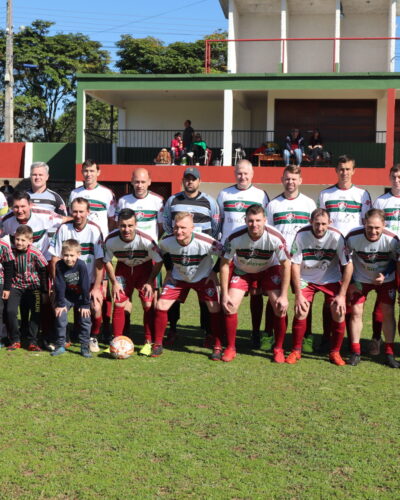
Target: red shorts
(330, 290)
(385, 293)
(133, 277)
(207, 292)
(267, 280)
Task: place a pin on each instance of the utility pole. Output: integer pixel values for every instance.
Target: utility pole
(9, 79)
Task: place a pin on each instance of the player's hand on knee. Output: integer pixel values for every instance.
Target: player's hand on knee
(59, 310)
(148, 291)
(84, 312)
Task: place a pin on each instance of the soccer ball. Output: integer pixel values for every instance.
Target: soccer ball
(121, 347)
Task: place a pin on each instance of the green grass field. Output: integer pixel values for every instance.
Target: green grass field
(181, 426)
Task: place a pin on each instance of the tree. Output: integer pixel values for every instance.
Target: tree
(45, 68)
(151, 56)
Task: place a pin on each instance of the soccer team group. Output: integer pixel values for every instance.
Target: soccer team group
(52, 262)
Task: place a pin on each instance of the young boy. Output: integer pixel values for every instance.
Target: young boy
(28, 288)
(72, 288)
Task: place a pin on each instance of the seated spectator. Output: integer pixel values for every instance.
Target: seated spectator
(163, 157)
(197, 155)
(177, 148)
(294, 145)
(315, 146)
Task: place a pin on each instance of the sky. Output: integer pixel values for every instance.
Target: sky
(105, 21)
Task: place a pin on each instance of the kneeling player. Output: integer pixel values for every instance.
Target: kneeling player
(317, 251)
(256, 250)
(372, 248)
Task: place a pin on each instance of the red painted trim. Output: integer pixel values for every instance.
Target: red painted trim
(390, 119)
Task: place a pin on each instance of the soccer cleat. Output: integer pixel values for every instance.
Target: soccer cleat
(229, 354)
(34, 348)
(390, 361)
(293, 357)
(146, 349)
(354, 359)
(374, 348)
(256, 340)
(279, 356)
(336, 358)
(48, 346)
(156, 350)
(85, 351)
(308, 344)
(14, 346)
(216, 355)
(94, 345)
(107, 350)
(67, 345)
(58, 351)
(266, 342)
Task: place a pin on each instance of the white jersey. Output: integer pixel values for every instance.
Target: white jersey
(102, 204)
(288, 215)
(319, 258)
(233, 203)
(193, 262)
(148, 211)
(390, 204)
(131, 253)
(251, 256)
(41, 222)
(90, 239)
(372, 257)
(49, 200)
(346, 207)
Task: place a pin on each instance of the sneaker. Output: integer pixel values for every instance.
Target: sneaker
(229, 354)
(336, 358)
(208, 341)
(308, 344)
(293, 357)
(59, 350)
(94, 345)
(85, 351)
(34, 348)
(67, 345)
(216, 355)
(107, 350)
(266, 342)
(170, 340)
(256, 340)
(14, 346)
(156, 350)
(390, 361)
(146, 349)
(374, 348)
(323, 347)
(354, 359)
(48, 346)
(279, 356)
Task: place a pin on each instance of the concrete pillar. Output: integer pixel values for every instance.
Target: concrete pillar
(232, 23)
(391, 33)
(228, 124)
(336, 62)
(284, 51)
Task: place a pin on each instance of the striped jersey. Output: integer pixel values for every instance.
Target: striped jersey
(6, 255)
(319, 258)
(251, 256)
(148, 211)
(3, 205)
(372, 257)
(131, 253)
(41, 222)
(289, 215)
(390, 204)
(27, 265)
(346, 207)
(193, 262)
(233, 203)
(102, 204)
(206, 218)
(90, 239)
(49, 200)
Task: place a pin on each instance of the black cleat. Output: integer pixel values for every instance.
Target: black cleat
(390, 361)
(354, 359)
(216, 355)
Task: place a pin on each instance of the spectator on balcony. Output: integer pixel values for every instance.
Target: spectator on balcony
(294, 145)
(177, 148)
(315, 146)
(188, 134)
(198, 153)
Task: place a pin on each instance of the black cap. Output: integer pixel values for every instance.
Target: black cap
(192, 171)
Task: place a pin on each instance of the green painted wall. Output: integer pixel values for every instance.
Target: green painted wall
(59, 156)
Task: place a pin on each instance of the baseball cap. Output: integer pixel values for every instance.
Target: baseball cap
(192, 171)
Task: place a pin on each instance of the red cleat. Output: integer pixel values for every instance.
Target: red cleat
(336, 358)
(34, 348)
(229, 354)
(293, 357)
(279, 356)
(14, 346)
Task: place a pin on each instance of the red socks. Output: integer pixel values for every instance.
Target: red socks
(96, 325)
(389, 348)
(298, 330)
(231, 322)
(280, 325)
(216, 322)
(148, 323)
(338, 331)
(355, 348)
(160, 324)
(118, 321)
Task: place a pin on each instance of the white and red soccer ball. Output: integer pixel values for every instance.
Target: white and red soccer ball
(121, 347)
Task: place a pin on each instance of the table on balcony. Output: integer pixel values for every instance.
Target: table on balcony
(270, 159)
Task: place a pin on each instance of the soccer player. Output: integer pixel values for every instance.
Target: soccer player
(289, 212)
(89, 236)
(41, 195)
(317, 252)
(30, 283)
(138, 263)
(189, 253)
(71, 287)
(372, 248)
(233, 202)
(260, 260)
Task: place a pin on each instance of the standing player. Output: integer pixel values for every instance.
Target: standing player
(372, 248)
(289, 212)
(233, 202)
(138, 263)
(260, 260)
(318, 251)
(41, 195)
